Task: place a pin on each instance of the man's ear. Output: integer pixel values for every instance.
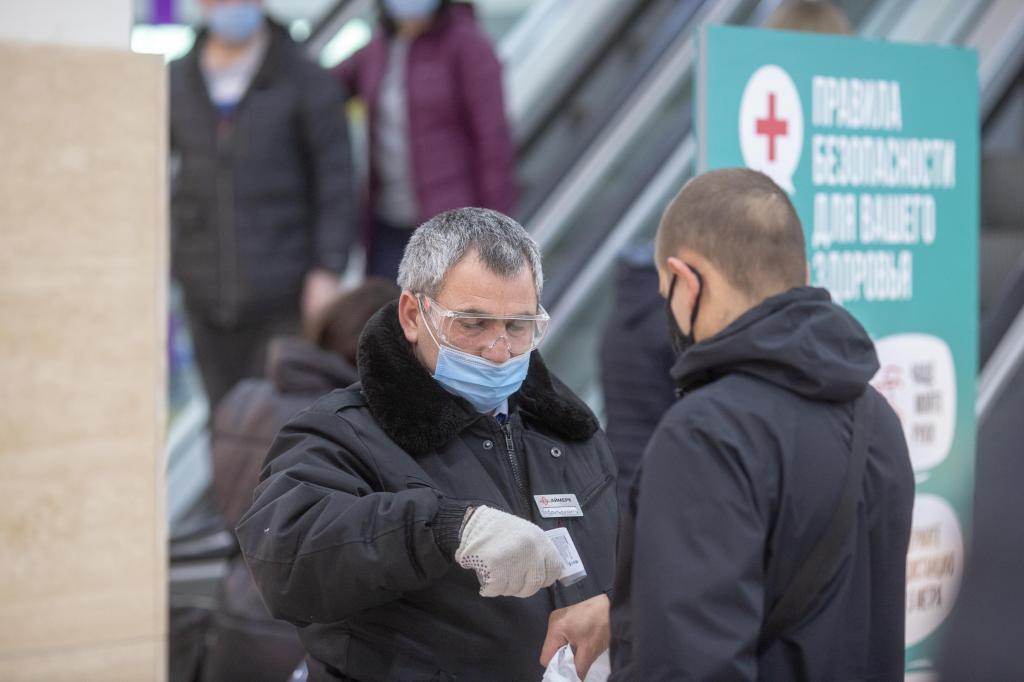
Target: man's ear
(686, 280)
(409, 316)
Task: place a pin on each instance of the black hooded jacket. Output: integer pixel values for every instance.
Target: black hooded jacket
(354, 524)
(739, 481)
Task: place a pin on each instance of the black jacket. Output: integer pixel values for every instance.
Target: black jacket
(251, 414)
(261, 198)
(636, 356)
(246, 642)
(353, 527)
(738, 482)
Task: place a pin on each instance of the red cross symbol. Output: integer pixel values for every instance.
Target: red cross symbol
(771, 126)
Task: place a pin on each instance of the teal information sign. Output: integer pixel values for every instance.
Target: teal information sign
(877, 146)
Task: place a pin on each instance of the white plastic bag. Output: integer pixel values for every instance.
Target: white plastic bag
(562, 668)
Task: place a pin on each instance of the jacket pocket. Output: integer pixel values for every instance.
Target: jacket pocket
(592, 491)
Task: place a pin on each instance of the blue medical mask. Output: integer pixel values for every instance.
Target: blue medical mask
(411, 9)
(483, 383)
(235, 22)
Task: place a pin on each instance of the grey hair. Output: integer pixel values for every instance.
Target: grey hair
(437, 245)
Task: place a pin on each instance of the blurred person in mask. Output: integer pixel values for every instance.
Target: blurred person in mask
(262, 206)
(438, 137)
(765, 536)
(401, 522)
(244, 641)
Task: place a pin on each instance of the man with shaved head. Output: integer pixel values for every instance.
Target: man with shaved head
(765, 537)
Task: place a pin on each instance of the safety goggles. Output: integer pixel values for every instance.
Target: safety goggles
(475, 333)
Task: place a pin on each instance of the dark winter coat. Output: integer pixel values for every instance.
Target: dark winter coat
(249, 417)
(246, 642)
(353, 527)
(460, 145)
(738, 482)
(263, 197)
(636, 356)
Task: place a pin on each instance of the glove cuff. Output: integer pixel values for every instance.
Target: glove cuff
(447, 525)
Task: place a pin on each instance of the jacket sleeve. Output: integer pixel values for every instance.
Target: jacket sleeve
(324, 134)
(322, 540)
(484, 102)
(697, 584)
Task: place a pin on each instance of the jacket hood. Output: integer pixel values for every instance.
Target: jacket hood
(420, 415)
(798, 340)
(294, 365)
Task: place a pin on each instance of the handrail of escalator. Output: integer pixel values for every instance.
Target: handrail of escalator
(1001, 368)
(544, 64)
(579, 70)
(655, 48)
(653, 199)
(552, 218)
(998, 38)
(332, 22)
(1001, 56)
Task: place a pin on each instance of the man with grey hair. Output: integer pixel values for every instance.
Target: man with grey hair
(416, 525)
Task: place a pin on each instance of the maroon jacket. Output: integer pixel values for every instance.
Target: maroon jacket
(461, 147)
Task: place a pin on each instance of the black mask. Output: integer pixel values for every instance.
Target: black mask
(680, 341)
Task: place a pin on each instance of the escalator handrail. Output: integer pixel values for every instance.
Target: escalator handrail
(1001, 367)
(666, 38)
(329, 26)
(1000, 60)
(556, 74)
(542, 113)
(650, 202)
(552, 218)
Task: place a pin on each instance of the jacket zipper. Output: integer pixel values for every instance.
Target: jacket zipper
(225, 194)
(517, 473)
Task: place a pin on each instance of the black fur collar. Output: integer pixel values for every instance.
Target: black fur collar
(421, 416)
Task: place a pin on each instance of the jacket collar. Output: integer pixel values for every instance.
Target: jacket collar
(421, 416)
(798, 340)
(279, 46)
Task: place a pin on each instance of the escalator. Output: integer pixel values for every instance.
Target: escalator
(582, 245)
(569, 66)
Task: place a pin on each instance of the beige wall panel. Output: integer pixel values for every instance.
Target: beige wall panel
(125, 662)
(82, 369)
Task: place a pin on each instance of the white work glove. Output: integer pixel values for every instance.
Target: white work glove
(512, 557)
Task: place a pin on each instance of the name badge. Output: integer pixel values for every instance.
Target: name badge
(558, 506)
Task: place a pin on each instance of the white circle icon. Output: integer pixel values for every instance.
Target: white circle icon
(918, 378)
(772, 125)
(935, 566)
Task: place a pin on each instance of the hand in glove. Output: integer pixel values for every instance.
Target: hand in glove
(512, 557)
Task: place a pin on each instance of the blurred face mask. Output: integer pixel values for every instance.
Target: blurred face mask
(411, 9)
(235, 22)
(460, 337)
